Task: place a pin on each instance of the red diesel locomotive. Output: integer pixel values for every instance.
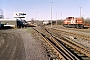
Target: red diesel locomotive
(74, 22)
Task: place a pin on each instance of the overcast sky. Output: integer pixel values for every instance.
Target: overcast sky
(43, 8)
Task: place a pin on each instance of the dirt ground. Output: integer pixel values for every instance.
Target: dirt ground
(23, 45)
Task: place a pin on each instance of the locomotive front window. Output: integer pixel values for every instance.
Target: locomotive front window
(76, 21)
(69, 20)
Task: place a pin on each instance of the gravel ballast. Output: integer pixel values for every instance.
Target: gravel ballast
(33, 46)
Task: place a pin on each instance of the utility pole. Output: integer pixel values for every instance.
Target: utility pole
(80, 11)
(46, 17)
(51, 13)
(36, 15)
(56, 19)
(61, 16)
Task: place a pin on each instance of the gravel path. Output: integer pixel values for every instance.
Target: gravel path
(33, 47)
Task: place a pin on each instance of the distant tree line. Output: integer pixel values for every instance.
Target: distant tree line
(59, 22)
(87, 20)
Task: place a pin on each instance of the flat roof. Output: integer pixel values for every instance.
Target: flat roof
(7, 19)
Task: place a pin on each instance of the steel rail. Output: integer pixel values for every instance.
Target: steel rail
(50, 45)
(66, 53)
(76, 46)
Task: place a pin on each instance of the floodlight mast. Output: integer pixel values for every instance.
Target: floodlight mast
(80, 11)
(51, 13)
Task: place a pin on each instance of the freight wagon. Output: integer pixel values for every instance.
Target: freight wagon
(12, 23)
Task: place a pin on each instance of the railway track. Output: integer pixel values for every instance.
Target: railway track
(79, 34)
(62, 48)
(66, 36)
(86, 30)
